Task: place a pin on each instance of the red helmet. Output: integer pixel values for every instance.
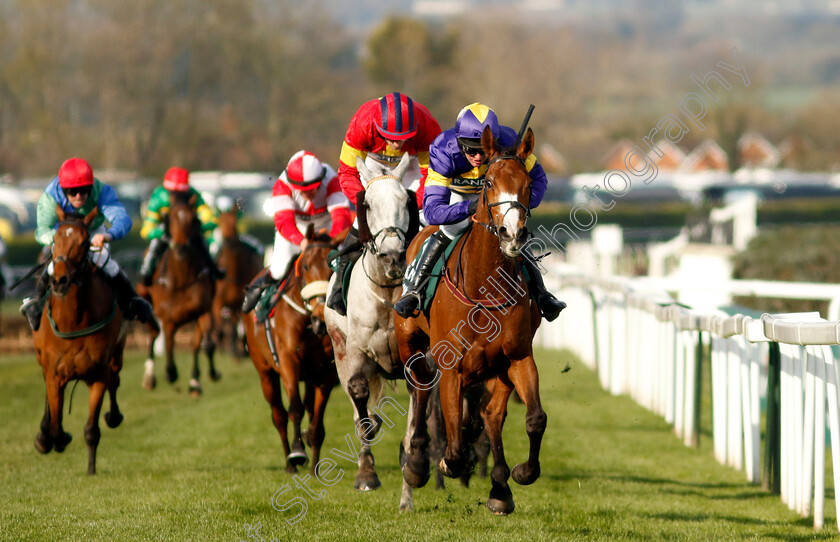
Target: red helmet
(75, 172)
(305, 171)
(395, 119)
(177, 179)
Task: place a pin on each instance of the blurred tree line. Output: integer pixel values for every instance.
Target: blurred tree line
(242, 84)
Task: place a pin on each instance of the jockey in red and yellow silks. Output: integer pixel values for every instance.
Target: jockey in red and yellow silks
(382, 130)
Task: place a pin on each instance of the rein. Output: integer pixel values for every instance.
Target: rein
(90, 330)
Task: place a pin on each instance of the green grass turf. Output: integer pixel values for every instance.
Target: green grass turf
(182, 469)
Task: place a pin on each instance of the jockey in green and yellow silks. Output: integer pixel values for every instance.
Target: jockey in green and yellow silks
(175, 180)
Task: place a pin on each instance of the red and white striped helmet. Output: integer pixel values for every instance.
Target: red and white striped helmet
(305, 171)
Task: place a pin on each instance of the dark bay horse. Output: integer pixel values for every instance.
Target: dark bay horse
(182, 292)
(480, 327)
(241, 264)
(303, 349)
(81, 337)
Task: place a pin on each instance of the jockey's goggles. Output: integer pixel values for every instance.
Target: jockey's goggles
(76, 190)
(469, 147)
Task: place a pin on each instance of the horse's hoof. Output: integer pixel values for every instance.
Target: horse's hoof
(367, 483)
(62, 441)
(523, 475)
(149, 382)
(113, 419)
(171, 374)
(297, 458)
(406, 507)
(195, 388)
(43, 444)
(414, 479)
(215, 376)
(501, 507)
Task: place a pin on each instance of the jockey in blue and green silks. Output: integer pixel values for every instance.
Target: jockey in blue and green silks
(175, 180)
(457, 165)
(76, 190)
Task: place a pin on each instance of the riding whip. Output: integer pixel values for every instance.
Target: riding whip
(524, 125)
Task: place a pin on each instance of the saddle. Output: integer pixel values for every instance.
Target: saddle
(427, 294)
(271, 295)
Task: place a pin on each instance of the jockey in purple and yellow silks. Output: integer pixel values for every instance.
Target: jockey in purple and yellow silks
(457, 166)
(76, 190)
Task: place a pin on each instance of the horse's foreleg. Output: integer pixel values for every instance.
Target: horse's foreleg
(316, 432)
(43, 442)
(358, 389)
(501, 498)
(290, 377)
(270, 383)
(92, 432)
(55, 394)
(416, 442)
(524, 376)
(114, 417)
(453, 463)
(169, 329)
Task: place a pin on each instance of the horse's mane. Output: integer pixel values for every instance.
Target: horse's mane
(73, 216)
(181, 197)
(321, 237)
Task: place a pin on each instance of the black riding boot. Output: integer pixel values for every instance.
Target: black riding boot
(254, 291)
(150, 260)
(209, 262)
(33, 307)
(549, 305)
(133, 306)
(348, 253)
(431, 251)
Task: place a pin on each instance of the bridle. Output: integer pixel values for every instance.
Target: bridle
(490, 225)
(77, 271)
(390, 231)
(313, 293)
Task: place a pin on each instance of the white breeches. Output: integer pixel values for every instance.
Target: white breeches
(452, 230)
(285, 251)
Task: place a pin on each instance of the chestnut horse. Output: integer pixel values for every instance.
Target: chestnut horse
(302, 347)
(241, 264)
(182, 292)
(481, 325)
(81, 337)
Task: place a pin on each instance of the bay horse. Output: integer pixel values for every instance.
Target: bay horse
(241, 264)
(302, 347)
(480, 326)
(82, 337)
(182, 292)
(366, 352)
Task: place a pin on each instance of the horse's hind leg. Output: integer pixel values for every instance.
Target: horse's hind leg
(169, 330)
(92, 431)
(454, 462)
(208, 344)
(358, 388)
(290, 377)
(149, 380)
(316, 432)
(524, 376)
(501, 498)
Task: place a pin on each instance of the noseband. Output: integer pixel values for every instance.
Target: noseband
(77, 271)
(490, 225)
(316, 290)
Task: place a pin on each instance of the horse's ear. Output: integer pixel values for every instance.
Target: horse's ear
(402, 167)
(413, 217)
(90, 216)
(310, 231)
(361, 217)
(59, 212)
(527, 146)
(488, 143)
(339, 238)
(364, 171)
